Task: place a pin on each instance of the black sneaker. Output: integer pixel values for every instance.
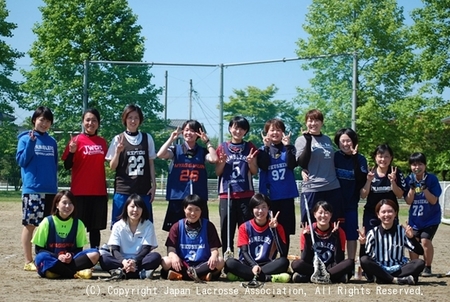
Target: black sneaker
(406, 280)
(298, 278)
(426, 272)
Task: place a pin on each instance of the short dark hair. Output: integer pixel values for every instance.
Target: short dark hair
(380, 149)
(131, 108)
(351, 134)
(417, 157)
(94, 112)
(58, 198)
(240, 122)
(389, 202)
(324, 204)
(194, 200)
(42, 111)
(314, 114)
(194, 125)
(139, 202)
(276, 122)
(257, 200)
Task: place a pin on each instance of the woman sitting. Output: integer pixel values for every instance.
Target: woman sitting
(131, 243)
(382, 251)
(259, 239)
(59, 241)
(329, 245)
(192, 246)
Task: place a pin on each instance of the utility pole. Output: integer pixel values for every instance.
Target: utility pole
(190, 98)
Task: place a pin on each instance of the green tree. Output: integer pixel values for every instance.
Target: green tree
(431, 35)
(374, 30)
(9, 93)
(258, 106)
(73, 31)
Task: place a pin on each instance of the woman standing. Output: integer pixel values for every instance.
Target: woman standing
(37, 156)
(315, 155)
(235, 167)
(131, 243)
(131, 155)
(351, 170)
(383, 182)
(276, 162)
(187, 172)
(382, 251)
(85, 155)
(59, 241)
(425, 211)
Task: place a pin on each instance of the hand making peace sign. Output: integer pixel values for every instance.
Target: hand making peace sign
(73, 144)
(273, 221)
(286, 140)
(251, 156)
(120, 146)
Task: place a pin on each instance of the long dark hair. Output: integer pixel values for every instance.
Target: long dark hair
(139, 202)
(58, 198)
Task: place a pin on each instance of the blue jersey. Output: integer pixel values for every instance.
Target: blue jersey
(423, 214)
(187, 168)
(193, 249)
(278, 182)
(56, 243)
(236, 171)
(259, 243)
(345, 172)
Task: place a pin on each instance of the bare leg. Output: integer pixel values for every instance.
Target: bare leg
(27, 234)
(428, 251)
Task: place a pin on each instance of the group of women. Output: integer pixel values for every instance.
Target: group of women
(333, 183)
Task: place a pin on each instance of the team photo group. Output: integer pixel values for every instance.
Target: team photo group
(59, 225)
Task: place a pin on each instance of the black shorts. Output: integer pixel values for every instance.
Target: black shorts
(93, 211)
(426, 233)
(286, 218)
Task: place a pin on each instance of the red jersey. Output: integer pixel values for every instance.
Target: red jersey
(88, 170)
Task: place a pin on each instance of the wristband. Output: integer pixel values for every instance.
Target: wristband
(207, 141)
(209, 146)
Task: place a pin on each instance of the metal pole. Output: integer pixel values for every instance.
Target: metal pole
(355, 87)
(165, 95)
(85, 85)
(190, 99)
(221, 106)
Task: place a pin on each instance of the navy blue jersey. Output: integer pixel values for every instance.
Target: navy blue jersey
(187, 168)
(236, 171)
(423, 214)
(278, 182)
(259, 241)
(345, 172)
(55, 243)
(193, 247)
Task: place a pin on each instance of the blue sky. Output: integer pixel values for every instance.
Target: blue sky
(205, 32)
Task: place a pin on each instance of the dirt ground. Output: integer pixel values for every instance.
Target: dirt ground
(18, 285)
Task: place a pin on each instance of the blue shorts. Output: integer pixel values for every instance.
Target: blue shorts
(119, 201)
(350, 225)
(35, 207)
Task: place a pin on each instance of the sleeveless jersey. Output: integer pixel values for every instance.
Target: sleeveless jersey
(259, 243)
(236, 171)
(278, 182)
(423, 214)
(327, 243)
(185, 170)
(193, 250)
(133, 170)
(57, 244)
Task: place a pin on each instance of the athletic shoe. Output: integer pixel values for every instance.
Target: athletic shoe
(281, 278)
(426, 272)
(206, 277)
(146, 274)
(233, 277)
(30, 267)
(406, 280)
(448, 274)
(83, 274)
(173, 275)
(116, 274)
(50, 275)
(298, 278)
